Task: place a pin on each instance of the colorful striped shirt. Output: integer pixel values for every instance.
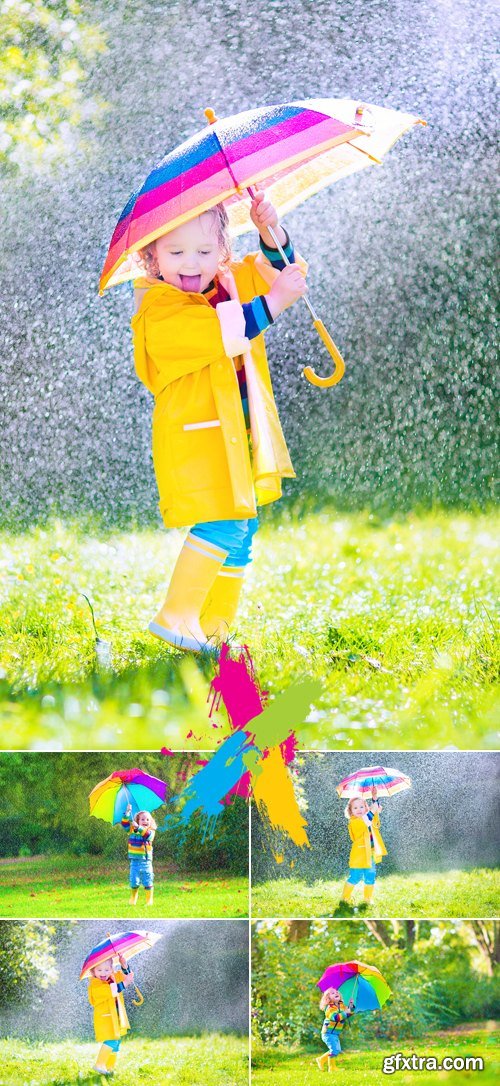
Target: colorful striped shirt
(336, 1016)
(256, 313)
(140, 841)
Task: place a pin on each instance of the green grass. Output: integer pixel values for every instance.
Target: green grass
(212, 1060)
(454, 894)
(86, 886)
(395, 618)
(278, 1067)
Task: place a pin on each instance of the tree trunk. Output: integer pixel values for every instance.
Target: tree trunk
(298, 930)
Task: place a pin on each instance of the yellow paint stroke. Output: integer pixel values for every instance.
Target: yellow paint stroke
(276, 801)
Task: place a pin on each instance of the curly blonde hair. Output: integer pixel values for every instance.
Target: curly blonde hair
(147, 255)
(332, 995)
(152, 821)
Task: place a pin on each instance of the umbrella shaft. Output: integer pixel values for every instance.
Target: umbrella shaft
(284, 257)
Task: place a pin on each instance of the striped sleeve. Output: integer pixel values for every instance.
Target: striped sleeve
(274, 256)
(257, 316)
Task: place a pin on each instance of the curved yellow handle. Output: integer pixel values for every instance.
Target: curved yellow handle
(140, 998)
(339, 367)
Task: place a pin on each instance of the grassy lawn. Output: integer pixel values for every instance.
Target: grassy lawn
(396, 618)
(212, 1060)
(454, 894)
(291, 1068)
(69, 886)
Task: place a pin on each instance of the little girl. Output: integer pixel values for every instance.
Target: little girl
(218, 446)
(110, 1017)
(367, 845)
(336, 1015)
(141, 833)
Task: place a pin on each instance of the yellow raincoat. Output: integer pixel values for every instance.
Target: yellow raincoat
(110, 1016)
(184, 351)
(361, 854)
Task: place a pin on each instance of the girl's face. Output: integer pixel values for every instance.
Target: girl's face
(359, 808)
(144, 819)
(334, 996)
(105, 970)
(189, 256)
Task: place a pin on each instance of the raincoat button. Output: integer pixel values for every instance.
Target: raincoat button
(234, 440)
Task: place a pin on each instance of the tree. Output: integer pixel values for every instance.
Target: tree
(28, 956)
(46, 48)
(486, 935)
(390, 933)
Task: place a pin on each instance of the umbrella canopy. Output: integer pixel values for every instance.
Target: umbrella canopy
(358, 981)
(126, 943)
(388, 782)
(293, 150)
(111, 797)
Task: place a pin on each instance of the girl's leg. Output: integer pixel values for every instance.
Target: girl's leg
(104, 1056)
(355, 876)
(134, 883)
(370, 877)
(221, 604)
(147, 879)
(149, 895)
(178, 620)
(114, 1047)
(322, 1060)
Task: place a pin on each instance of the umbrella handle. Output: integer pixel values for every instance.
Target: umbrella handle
(308, 372)
(140, 998)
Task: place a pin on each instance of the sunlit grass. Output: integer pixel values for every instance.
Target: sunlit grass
(396, 619)
(281, 1067)
(454, 894)
(86, 886)
(211, 1060)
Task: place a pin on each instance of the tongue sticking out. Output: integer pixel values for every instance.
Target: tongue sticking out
(191, 282)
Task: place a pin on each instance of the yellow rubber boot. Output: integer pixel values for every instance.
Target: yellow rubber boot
(134, 894)
(178, 620)
(332, 1063)
(112, 1060)
(347, 892)
(221, 604)
(321, 1061)
(149, 896)
(102, 1061)
(368, 893)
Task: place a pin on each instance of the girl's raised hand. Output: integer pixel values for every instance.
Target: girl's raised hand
(262, 212)
(288, 287)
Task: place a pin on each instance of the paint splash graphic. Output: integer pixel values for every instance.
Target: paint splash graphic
(254, 758)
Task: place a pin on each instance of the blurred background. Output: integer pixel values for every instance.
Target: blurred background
(401, 257)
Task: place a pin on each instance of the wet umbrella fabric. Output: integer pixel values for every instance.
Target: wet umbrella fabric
(111, 797)
(358, 981)
(124, 943)
(388, 782)
(293, 150)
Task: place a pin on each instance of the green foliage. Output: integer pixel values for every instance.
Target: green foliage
(49, 795)
(46, 49)
(180, 1061)
(28, 958)
(396, 619)
(436, 985)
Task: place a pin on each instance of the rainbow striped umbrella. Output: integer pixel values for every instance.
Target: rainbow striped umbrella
(358, 981)
(293, 150)
(125, 943)
(388, 782)
(110, 799)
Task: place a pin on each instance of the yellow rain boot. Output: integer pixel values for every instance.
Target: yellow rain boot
(368, 893)
(102, 1062)
(149, 896)
(221, 604)
(178, 620)
(112, 1061)
(134, 894)
(322, 1060)
(332, 1063)
(347, 892)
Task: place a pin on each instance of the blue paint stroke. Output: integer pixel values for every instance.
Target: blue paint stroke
(207, 789)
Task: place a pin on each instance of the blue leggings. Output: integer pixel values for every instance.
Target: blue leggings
(113, 1045)
(233, 536)
(332, 1041)
(363, 874)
